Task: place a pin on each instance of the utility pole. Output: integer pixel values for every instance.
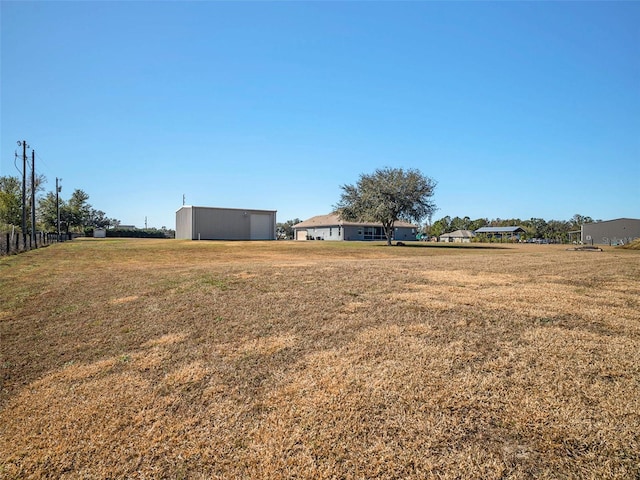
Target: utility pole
(58, 190)
(24, 186)
(33, 196)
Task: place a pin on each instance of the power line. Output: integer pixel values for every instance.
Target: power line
(46, 165)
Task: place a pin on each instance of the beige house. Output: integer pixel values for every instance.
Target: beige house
(459, 236)
(332, 227)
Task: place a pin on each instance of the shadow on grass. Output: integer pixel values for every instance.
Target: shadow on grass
(472, 246)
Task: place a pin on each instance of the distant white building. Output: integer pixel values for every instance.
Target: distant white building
(459, 236)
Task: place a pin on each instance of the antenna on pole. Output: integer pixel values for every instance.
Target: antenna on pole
(183, 199)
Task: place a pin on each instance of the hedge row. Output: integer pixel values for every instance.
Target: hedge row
(129, 233)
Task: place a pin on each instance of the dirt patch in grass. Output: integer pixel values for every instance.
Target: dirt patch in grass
(171, 359)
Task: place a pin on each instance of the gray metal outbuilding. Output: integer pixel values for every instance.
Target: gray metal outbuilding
(611, 232)
(212, 223)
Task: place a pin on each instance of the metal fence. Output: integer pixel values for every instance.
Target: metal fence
(11, 243)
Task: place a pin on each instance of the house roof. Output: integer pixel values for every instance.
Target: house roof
(332, 220)
(458, 234)
(500, 229)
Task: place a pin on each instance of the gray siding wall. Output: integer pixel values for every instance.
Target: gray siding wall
(184, 224)
(404, 233)
(354, 233)
(611, 232)
(220, 224)
(263, 226)
(325, 233)
(207, 223)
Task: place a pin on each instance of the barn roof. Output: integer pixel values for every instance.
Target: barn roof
(513, 229)
(332, 220)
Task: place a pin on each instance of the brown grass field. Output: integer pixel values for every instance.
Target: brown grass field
(319, 360)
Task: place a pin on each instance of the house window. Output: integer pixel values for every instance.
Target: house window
(374, 233)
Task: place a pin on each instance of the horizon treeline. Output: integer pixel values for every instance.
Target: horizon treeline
(75, 213)
(535, 227)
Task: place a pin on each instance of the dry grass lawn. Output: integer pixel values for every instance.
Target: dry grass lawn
(319, 360)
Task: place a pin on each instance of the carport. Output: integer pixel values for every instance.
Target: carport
(500, 233)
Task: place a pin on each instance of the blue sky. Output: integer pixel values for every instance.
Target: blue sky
(516, 109)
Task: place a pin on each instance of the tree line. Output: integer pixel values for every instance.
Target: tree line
(557, 230)
(391, 194)
(76, 213)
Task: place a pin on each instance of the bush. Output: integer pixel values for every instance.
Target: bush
(148, 233)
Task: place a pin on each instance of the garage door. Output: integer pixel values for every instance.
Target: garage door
(261, 226)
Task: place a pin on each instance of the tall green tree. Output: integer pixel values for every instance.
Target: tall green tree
(478, 223)
(79, 210)
(536, 227)
(386, 196)
(47, 211)
(578, 220)
(75, 213)
(458, 223)
(285, 230)
(98, 219)
(440, 226)
(10, 201)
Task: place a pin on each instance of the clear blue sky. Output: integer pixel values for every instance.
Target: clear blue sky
(516, 109)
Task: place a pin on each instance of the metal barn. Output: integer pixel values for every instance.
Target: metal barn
(212, 223)
(611, 232)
